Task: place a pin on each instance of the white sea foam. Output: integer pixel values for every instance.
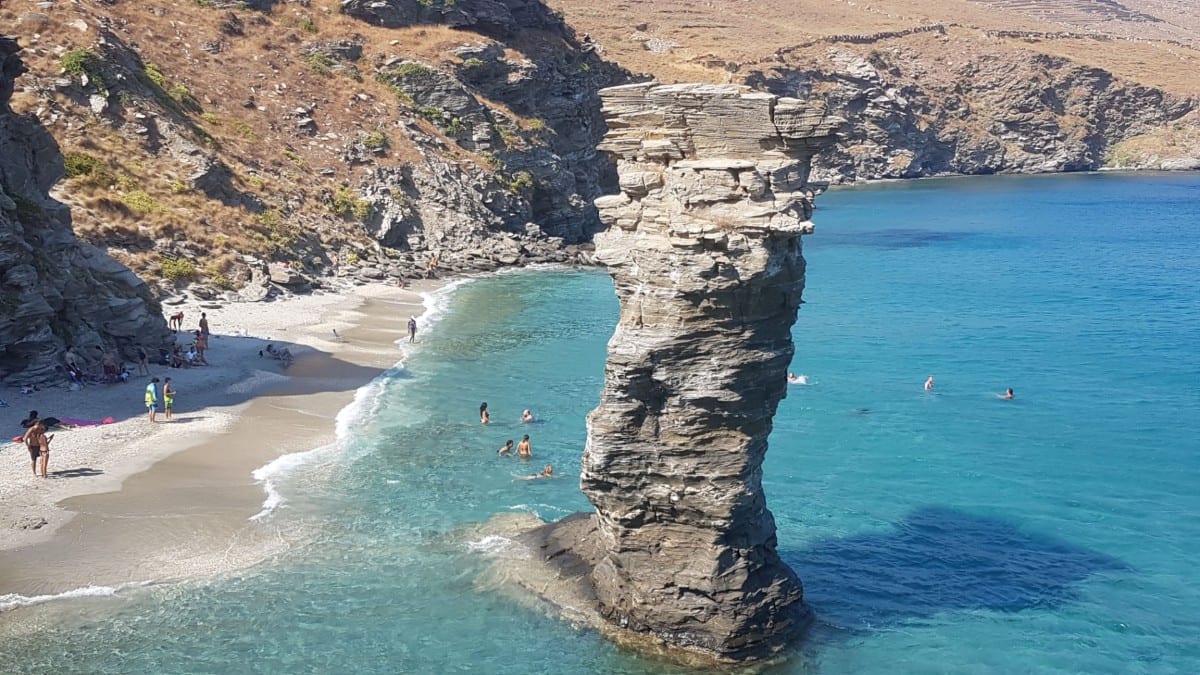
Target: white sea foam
(11, 601)
(537, 509)
(367, 400)
(492, 543)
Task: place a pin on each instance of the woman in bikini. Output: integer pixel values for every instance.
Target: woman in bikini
(39, 446)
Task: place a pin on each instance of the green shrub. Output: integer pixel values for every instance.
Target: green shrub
(375, 140)
(521, 182)
(472, 62)
(308, 26)
(434, 115)
(320, 63)
(536, 124)
(80, 62)
(177, 269)
(456, 127)
(155, 75)
(141, 203)
(347, 203)
(178, 187)
(81, 164)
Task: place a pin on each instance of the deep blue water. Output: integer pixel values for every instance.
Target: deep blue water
(943, 532)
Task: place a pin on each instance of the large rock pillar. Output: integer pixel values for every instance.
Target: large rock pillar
(703, 244)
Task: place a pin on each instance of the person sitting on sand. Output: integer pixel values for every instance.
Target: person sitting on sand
(547, 472)
(39, 446)
(506, 448)
(526, 417)
(525, 448)
(484, 416)
(1007, 395)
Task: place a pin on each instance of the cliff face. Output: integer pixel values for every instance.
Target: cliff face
(979, 112)
(704, 248)
(55, 291)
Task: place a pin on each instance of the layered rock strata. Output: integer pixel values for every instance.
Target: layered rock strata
(56, 291)
(703, 244)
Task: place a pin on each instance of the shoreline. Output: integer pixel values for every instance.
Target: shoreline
(135, 504)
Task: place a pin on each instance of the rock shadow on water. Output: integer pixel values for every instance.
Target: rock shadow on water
(892, 238)
(940, 560)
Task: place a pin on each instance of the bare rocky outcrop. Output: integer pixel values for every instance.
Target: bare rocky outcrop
(55, 291)
(703, 244)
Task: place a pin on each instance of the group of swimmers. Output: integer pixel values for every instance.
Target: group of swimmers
(524, 449)
(1008, 394)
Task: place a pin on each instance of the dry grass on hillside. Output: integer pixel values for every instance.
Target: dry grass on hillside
(232, 95)
(716, 37)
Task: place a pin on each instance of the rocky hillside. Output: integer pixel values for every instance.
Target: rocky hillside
(204, 139)
(934, 87)
(55, 291)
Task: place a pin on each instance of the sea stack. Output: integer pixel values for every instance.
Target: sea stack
(703, 244)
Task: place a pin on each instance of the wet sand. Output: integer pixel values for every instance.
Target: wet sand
(189, 514)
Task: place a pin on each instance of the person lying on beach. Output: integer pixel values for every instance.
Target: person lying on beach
(1007, 395)
(547, 472)
(525, 448)
(526, 417)
(48, 422)
(506, 448)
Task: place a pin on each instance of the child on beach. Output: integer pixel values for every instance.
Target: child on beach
(152, 398)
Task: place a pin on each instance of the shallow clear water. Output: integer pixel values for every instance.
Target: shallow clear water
(947, 532)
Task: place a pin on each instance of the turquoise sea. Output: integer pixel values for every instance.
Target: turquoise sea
(943, 532)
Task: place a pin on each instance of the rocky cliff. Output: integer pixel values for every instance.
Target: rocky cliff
(924, 112)
(55, 291)
(703, 244)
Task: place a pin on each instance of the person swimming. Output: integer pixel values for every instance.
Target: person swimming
(797, 379)
(929, 384)
(484, 416)
(1008, 394)
(526, 417)
(506, 448)
(525, 448)
(547, 472)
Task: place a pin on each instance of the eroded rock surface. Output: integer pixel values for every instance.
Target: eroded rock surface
(703, 244)
(56, 291)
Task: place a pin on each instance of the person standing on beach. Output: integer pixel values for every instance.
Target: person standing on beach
(204, 325)
(525, 448)
(412, 329)
(39, 445)
(143, 361)
(929, 384)
(152, 398)
(484, 416)
(168, 397)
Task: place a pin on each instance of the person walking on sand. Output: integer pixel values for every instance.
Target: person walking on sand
(929, 384)
(525, 448)
(168, 397)
(484, 416)
(412, 329)
(39, 446)
(152, 398)
(506, 448)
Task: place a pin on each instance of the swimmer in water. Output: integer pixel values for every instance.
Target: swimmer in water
(1008, 394)
(547, 472)
(929, 384)
(526, 417)
(484, 417)
(525, 448)
(506, 448)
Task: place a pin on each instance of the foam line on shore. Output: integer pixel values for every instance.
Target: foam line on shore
(367, 399)
(11, 601)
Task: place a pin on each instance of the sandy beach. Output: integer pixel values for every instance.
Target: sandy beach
(134, 501)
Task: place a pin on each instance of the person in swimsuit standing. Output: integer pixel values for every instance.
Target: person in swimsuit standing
(152, 398)
(39, 446)
(412, 329)
(484, 417)
(506, 448)
(525, 448)
(168, 397)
